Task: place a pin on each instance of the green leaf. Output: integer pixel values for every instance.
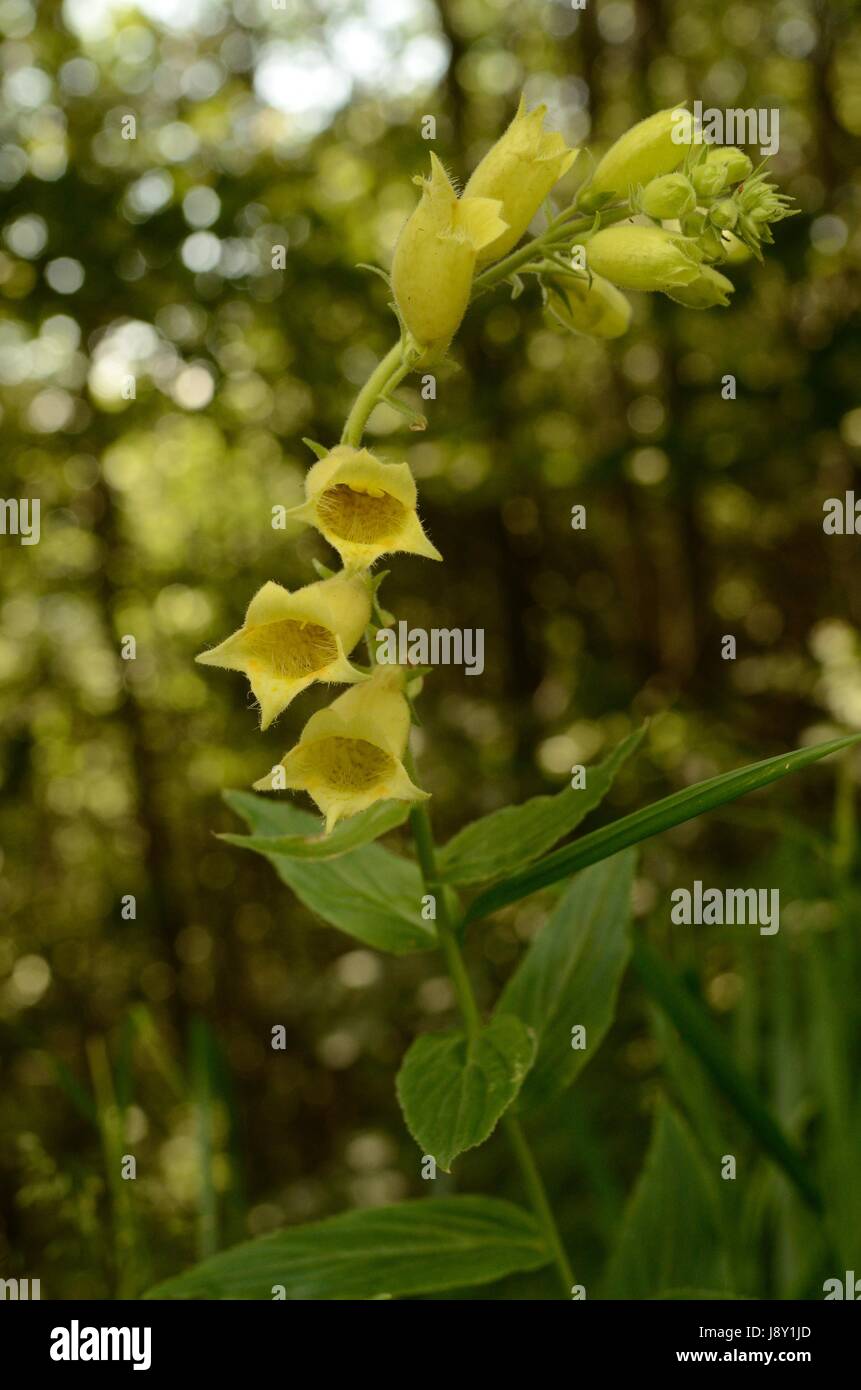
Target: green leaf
(672, 810)
(452, 1091)
(417, 1247)
(369, 893)
(571, 975)
(349, 834)
(516, 835)
(669, 1238)
(267, 815)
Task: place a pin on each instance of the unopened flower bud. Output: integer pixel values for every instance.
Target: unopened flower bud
(736, 163)
(709, 289)
(657, 145)
(643, 258)
(596, 309)
(735, 251)
(724, 214)
(709, 178)
(712, 244)
(519, 171)
(435, 257)
(669, 196)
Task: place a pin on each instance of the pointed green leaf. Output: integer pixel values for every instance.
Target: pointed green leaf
(670, 1235)
(369, 893)
(571, 974)
(418, 1247)
(348, 834)
(452, 1092)
(515, 835)
(672, 810)
(267, 815)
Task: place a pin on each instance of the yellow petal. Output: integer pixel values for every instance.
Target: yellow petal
(434, 259)
(289, 640)
(365, 508)
(350, 755)
(519, 170)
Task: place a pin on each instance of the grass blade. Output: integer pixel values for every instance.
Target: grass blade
(640, 825)
(698, 1031)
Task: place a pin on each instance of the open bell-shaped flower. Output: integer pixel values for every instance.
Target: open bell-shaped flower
(289, 640)
(519, 170)
(365, 508)
(351, 754)
(435, 257)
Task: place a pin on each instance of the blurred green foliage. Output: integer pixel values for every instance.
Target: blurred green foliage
(299, 126)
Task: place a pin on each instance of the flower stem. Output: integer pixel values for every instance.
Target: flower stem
(538, 1197)
(423, 835)
(387, 374)
(555, 235)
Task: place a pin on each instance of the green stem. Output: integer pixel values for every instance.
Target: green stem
(538, 1197)
(388, 374)
(423, 835)
(554, 235)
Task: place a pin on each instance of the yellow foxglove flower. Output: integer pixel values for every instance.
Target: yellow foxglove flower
(519, 170)
(434, 259)
(289, 640)
(351, 754)
(657, 145)
(708, 290)
(364, 508)
(598, 309)
(643, 258)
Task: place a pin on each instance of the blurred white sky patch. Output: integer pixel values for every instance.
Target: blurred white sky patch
(95, 18)
(383, 48)
(307, 66)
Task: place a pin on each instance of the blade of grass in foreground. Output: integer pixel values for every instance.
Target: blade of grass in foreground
(700, 1034)
(640, 825)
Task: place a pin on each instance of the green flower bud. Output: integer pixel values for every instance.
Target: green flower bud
(734, 160)
(709, 178)
(712, 244)
(643, 258)
(657, 145)
(519, 171)
(735, 251)
(760, 204)
(725, 214)
(670, 195)
(720, 167)
(710, 288)
(596, 309)
(435, 257)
